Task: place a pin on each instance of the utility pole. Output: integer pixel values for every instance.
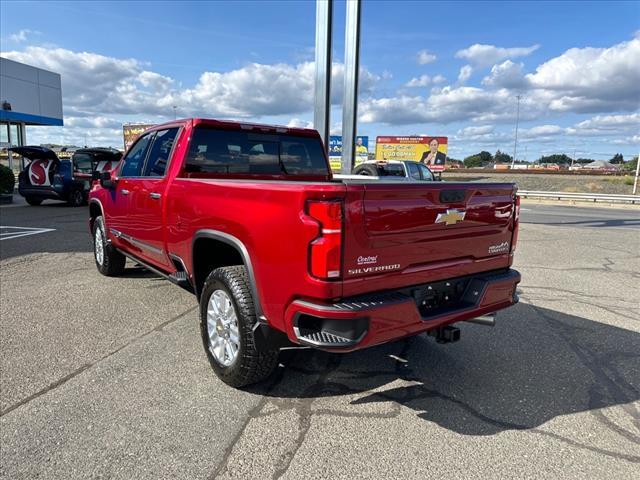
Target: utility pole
(515, 142)
(635, 182)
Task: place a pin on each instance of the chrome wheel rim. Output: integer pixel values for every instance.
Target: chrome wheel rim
(99, 247)
(222, 327)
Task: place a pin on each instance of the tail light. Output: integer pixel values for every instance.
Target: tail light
(516, 223)
(325, 251)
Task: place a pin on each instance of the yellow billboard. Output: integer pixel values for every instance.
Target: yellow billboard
(432, 151)
(131, 131)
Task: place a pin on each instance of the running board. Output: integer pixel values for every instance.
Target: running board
(178, 278)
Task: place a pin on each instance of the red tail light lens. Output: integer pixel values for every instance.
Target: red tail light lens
(325, 252)
(516, 223)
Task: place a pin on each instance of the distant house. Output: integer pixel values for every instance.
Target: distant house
(601, 165)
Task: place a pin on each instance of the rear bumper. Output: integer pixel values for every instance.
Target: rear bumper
(43, 192)
(368, 320)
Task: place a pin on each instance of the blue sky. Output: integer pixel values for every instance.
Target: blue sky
(437, 68)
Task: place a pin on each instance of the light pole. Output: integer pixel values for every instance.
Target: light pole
(515, 141)
(635, 182)
(174, 112)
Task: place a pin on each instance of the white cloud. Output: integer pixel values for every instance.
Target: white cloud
(541, 131)
(421, 81)
(298, 123)
(424, 57)
(425, 81)
(592, 79)
(465, 73)
(607, 125)
(481, 55)
(94, 84)
(479, 130)
(506, 75)
(444, 105)
(23, 35)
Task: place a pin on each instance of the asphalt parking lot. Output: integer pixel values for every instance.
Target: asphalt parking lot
(106, 377)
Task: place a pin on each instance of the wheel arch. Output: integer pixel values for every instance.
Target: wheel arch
(95, 211)
(212, 249)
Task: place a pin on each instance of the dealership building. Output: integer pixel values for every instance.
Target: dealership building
(28, 96)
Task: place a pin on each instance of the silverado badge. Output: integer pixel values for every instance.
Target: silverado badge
(452, 217)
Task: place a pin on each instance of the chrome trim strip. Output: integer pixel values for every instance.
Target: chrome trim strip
(135, 241)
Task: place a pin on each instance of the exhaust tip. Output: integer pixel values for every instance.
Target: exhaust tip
(486, 320)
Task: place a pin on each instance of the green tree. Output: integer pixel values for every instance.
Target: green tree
(501, 157)
(617, 159)
(631, 165)
(7, 179)
(556, 158)
(479, 160)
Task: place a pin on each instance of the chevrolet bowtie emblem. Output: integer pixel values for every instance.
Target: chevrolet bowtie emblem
(452, 217)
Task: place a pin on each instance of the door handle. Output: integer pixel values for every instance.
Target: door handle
(155, 195)
(124, 191)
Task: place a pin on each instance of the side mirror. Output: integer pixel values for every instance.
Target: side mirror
(95, 175)
(106, 181)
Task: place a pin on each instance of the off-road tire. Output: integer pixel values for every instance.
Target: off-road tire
(251, 365)
(367, 169)
(33, 201)
(112, 260)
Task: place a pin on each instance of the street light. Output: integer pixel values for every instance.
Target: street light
(515, 141)
(174, 112)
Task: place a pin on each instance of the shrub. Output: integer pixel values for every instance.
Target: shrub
(7, 179)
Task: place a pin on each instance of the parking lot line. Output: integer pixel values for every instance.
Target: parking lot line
(17, 232)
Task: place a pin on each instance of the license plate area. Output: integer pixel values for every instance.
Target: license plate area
(439, 298)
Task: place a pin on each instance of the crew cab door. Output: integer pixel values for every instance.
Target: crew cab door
(120, 222)
(147, 202)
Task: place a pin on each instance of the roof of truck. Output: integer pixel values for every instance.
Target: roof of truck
(235, 125)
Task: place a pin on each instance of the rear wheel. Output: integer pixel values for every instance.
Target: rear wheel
(33, 201)
(227, 315)
(77, 198)
(110, 262)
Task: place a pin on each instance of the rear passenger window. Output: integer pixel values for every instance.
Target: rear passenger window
(160, 152)
(426, 173)
(239, 152)
(134, 160)
(413, 170)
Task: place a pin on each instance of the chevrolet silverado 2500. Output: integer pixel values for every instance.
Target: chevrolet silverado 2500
(279, 253)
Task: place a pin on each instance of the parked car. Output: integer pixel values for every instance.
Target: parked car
(409, 170)
(49, 177)
(279, 253)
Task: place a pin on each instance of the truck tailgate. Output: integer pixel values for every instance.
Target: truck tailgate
(399, 235)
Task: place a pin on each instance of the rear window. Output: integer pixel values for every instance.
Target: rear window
(391, 170)
(238, 152)
(83, 162)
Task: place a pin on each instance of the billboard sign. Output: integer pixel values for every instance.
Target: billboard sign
(131, 131)
(335, 151)
(432, 151)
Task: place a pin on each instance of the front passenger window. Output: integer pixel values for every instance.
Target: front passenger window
(133, 162)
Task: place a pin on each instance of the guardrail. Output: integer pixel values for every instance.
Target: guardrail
(590, 197)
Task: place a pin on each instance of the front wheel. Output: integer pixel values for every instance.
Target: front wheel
(227, 315)
(110, 262)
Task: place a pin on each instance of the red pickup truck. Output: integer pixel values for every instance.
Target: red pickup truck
(279, 253)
